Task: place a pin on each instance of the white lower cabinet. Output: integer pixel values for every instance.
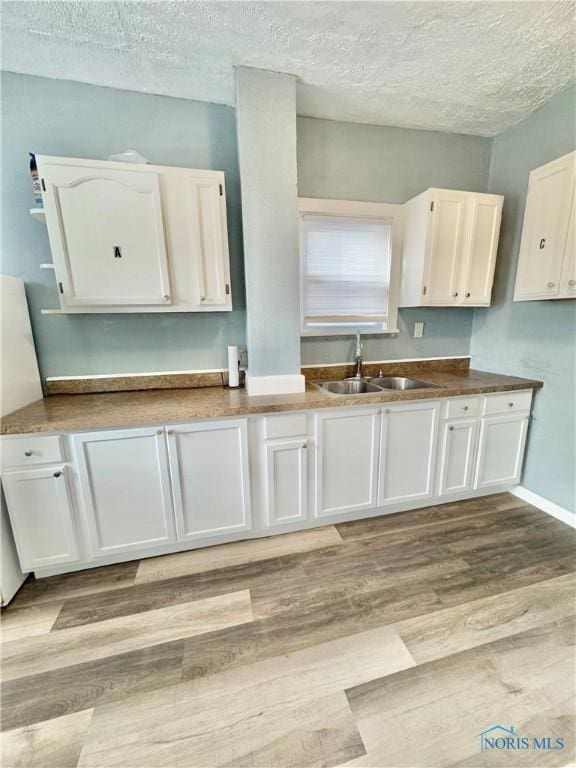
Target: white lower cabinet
(500, 450)
(286, 481)
(346, 460)
(152, 490)
(210, 478)
(124, 490)
(42, 517)
(408, 452)
(458, 447)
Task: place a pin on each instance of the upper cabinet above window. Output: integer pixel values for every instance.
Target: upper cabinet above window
(136, 238)
(546, 264)
(449, 249)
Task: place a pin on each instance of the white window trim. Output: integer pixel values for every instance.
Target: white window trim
(355, 209)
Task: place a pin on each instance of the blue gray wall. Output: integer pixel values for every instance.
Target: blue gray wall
(57, 117)
(390, 165)
(535, 339)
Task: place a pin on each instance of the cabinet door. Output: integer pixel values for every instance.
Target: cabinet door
(106, 235)
(210, 478)
(286, 481)
(346, 461)
(407, 452)
(500, 451)
(445, 246)
(125, 489)
(568, 278)
(457, 456)
(546, 218)
(483, 229)
(42, 519)
(208, 222)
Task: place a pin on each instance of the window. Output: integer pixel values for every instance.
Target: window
(349, 255)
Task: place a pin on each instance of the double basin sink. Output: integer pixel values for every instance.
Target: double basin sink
(371, 386)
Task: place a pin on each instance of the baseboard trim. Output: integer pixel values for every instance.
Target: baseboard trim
(275, 385)
(555, 510)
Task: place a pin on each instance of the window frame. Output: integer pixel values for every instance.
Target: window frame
(392, 213)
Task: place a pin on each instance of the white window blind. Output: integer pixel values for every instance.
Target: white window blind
(345, 271)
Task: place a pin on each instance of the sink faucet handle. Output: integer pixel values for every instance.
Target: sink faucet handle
(358, 343)
(380, 374)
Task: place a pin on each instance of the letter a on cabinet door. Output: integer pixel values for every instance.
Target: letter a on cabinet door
(106, 233)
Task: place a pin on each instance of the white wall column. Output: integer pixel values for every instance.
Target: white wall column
(266, 126)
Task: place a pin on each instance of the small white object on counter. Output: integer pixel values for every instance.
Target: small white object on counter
(233, 367)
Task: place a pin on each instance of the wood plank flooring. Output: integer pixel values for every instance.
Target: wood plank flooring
(387, 642)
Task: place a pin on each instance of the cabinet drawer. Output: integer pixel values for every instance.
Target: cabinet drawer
(287, 425)
(460, 407)
(26, 451)
(507, 402)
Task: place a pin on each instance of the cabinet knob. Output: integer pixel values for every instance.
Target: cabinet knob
(28, 453)
(387, 410)
(170, 431)
(550, 285)
(467, 295)
(166, 297)
(202, 298)
(158, 431)
(455, 294)
(510, 405)
(451, 428)
(571, 282)
(57, 474)
(304, 445)
(465, 408)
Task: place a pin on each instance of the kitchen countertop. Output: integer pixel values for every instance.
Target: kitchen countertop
(72, 413)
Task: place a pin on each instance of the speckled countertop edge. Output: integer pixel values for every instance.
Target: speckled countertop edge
(74, 413)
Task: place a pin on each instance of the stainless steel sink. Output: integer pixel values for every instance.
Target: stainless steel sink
(400, 382)
(357, 386)
(348, 387)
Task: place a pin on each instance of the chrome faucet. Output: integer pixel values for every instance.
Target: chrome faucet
(358, 356)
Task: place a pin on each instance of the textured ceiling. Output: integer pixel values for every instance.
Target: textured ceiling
(467, 67)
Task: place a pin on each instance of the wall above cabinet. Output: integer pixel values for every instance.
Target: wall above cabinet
(547, 259)
(136, 238)
(450, 246)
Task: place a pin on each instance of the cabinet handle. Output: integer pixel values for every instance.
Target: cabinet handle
(550, 285)
(467, 295)
(57, 474)
(455, 294)
(387, 410)
(28, 453)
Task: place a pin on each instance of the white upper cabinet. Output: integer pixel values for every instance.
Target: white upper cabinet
(136, 238)
(450, 246)
(546, 266)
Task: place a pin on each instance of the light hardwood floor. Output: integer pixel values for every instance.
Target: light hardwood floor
(391, 642)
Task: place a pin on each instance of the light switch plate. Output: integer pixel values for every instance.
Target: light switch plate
(418, 330)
